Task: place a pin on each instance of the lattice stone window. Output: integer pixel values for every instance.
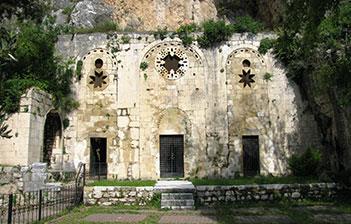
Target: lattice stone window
(98, 80)
(246, 76)
(171, 63)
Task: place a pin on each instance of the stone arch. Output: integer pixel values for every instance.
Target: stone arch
(190, 59)
(52, 141)
(174, 121)
(97, 66)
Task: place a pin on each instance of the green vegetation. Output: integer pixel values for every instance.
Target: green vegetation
(215, 32)
(314, 45)
(104, 27)
(68, 10)
(125, 39)
(265, 45)
(268, 76)
(143, 65)
(28, 59)
(185, 33)
(160, 33)
(307, 164)
(298, 211)
(4, 132)
(134, 183)
(247, 24)
(254, 180)
(79, 69)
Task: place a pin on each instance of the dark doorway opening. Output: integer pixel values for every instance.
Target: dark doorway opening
(251, 155)
(52, 136)
(98, 162)
(171, 156)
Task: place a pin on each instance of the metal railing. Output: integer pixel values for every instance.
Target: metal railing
(28, 207)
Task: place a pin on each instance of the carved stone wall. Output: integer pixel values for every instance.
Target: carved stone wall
(213, 97)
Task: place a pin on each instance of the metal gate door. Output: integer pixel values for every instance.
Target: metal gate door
(172, 156)
(251, 156)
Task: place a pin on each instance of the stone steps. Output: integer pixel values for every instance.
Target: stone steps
(177, 201)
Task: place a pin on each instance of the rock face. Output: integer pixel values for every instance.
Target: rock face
(153, 14)
(90, 13)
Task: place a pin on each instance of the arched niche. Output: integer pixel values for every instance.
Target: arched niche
(173, 121)
(52, 137)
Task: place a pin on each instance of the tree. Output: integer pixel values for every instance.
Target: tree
(314, 45)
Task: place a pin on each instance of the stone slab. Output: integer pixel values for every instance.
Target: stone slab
(132, 218)
(189, 219)
(263, 219)
(175, 186)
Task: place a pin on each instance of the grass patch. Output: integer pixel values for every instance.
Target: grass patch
(254, 180)
(130, 183)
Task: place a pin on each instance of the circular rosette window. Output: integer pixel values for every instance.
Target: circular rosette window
(171, 63)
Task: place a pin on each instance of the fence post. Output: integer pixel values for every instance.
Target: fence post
(9, 210)
(83, 174)
(40, 202)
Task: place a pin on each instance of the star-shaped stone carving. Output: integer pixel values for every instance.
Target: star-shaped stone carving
(98, 79)
(246, 78)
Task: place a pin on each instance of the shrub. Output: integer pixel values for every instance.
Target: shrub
(125, 39)
(247, 24)
(79, 69)
(160, 33)
(214, 32)
(184, 33)
(265, 45)
(143, 65)
(306, 164)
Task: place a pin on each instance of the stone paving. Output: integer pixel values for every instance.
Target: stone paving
(190, 219)
(116, 218)
(249, 215)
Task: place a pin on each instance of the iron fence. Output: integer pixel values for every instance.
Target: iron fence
(28, 207)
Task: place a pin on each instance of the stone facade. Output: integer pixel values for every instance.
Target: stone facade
(132, 97)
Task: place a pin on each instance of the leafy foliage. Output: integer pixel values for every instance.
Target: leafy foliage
(185, 33)
(27, 59)
(265, 45)
(4, 132)
(215, 32)
(160, 33)
(247, 24)
(306, 164)
(143, 65)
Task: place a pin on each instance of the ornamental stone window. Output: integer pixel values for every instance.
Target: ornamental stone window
(246, 77)
(99, 79)
(171, 63)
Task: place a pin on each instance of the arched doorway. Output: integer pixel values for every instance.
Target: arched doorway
(52, 136)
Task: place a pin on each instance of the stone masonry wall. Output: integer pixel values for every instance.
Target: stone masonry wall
(118, 195)
(210, 195)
